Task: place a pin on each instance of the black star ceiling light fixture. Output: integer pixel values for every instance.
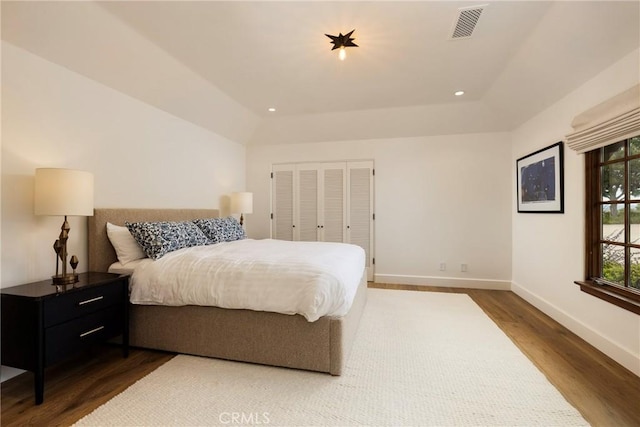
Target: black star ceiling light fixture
(341, 42)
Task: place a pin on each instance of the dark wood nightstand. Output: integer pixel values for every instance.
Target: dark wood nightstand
(42, 323)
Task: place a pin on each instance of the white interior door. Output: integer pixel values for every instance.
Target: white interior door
(330, 202)
(307, 221)
(360, 213)
(333, 207)
(282, 202)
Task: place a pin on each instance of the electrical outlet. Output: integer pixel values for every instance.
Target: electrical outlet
(463, 268)
(443, 266)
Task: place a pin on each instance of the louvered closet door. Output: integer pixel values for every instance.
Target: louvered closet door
(360, 209)
(282, 202)
(330, 202)
(334, 201)
(306, 220)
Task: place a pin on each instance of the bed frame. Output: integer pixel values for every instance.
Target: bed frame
(241, 335)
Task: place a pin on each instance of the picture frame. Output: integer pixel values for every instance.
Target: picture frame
(540, 180)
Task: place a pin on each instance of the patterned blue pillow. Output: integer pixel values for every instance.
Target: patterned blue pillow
(221, 229)
(212, 228)
(233, 229)
(159, 238)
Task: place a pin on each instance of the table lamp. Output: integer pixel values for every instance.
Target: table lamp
(242, 202)
(63, 192)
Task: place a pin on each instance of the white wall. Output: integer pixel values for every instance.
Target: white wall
(460, 117)
(437, 199)
(140, 157)
(89, 38)
(548, 250)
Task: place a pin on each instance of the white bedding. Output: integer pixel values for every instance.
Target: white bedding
(313, 279)
(120, 268)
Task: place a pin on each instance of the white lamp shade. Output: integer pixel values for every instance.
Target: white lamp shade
(63, 192)
(242, 202)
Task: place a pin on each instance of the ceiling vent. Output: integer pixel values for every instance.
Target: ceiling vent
(466, 21)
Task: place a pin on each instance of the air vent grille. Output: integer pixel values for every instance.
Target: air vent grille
(466, 21)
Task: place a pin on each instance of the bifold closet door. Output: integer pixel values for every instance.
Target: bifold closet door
(306, 216)
(282, 202)
(360, 209)
(320, 202)
(333, 202)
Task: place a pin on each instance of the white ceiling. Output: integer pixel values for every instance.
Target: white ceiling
(276, 53)
(222, 64)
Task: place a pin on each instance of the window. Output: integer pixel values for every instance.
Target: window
(613, 221)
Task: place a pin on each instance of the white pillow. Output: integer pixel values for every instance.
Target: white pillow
(127, 249)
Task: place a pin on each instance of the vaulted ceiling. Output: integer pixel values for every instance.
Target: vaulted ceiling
(221, 65)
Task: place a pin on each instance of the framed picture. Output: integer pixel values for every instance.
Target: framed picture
(540, 185)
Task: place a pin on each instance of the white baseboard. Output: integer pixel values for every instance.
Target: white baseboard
(618, 353)
(447, 282)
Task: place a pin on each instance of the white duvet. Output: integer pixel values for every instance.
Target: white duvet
(313, 279)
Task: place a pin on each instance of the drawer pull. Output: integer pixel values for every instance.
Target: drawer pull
(91, 300)
(91, 331)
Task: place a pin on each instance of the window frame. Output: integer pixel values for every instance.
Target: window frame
(623, 296)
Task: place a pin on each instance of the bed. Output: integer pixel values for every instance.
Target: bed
(234, 334)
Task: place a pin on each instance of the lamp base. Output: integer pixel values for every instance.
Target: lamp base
(67, 279)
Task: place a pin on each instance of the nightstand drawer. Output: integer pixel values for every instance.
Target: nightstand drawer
(70, 305)
(67, 338)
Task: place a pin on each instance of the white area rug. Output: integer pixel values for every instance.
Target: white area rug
(419, 359)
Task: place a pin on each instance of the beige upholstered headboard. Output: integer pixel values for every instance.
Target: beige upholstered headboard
(101, 253)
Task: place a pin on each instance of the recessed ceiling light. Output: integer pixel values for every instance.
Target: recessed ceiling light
(459, 93)
(272, 109)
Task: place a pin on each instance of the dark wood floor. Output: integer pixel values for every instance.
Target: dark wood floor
(603, 391)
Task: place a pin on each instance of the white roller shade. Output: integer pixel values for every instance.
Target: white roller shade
(615, 119)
